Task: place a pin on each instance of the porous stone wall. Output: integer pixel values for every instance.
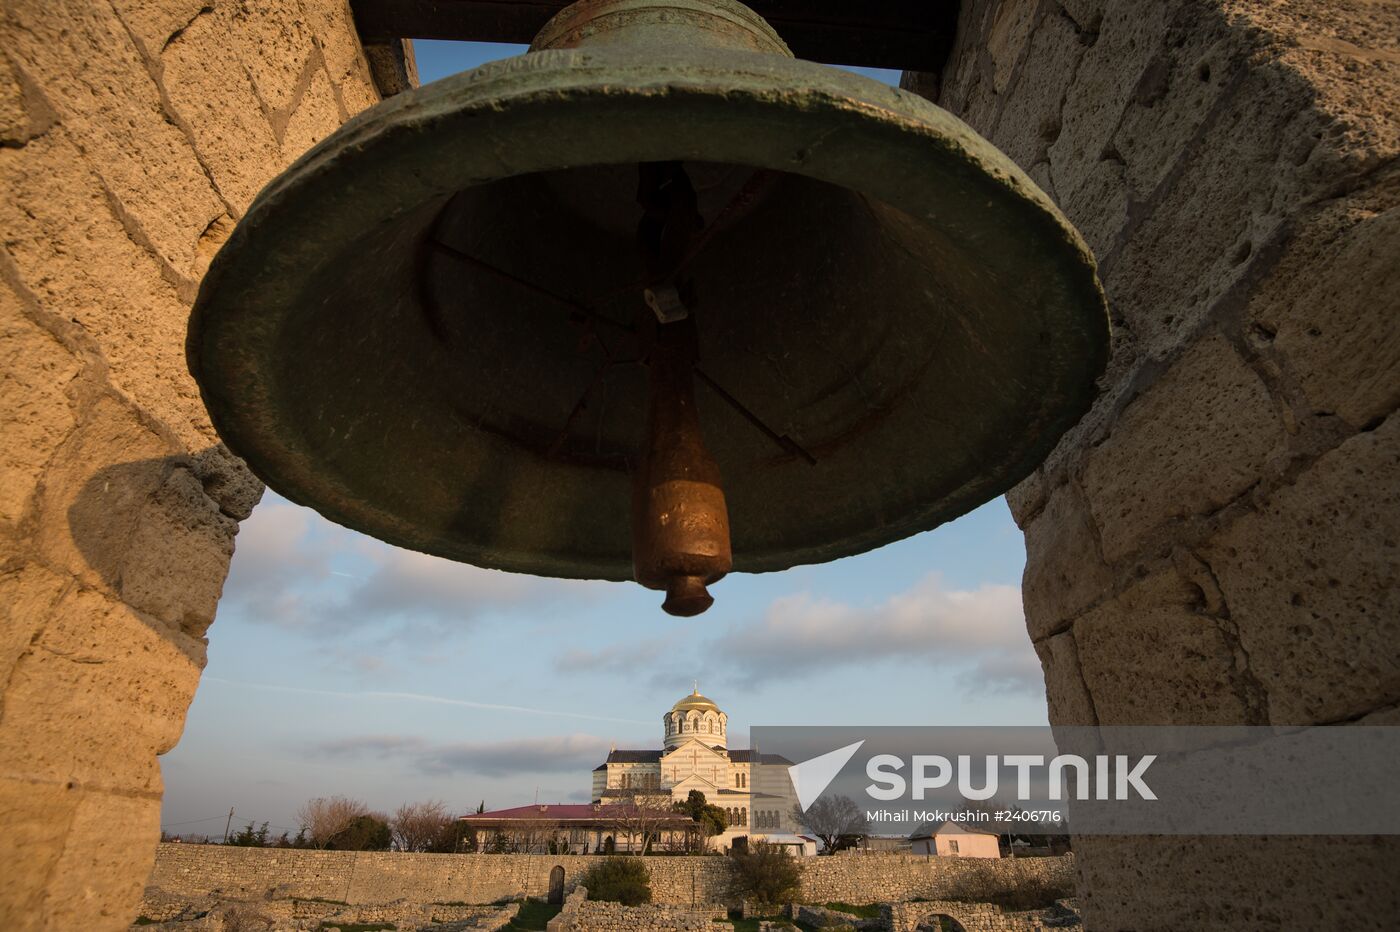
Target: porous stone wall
(161, 910)
(977, 917)
(583, 915)
(1216, 542)
(133, 134)
(382, 877)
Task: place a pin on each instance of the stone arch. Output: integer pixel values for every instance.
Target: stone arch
(1250, 322)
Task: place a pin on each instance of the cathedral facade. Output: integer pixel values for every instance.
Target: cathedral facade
(695, 755)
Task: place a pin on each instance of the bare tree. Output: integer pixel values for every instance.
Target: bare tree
(533, 835)
(325, 817)
(415, 826)
(643, 818)
(836, 820)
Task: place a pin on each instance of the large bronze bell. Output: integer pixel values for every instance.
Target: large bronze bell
(649, 284)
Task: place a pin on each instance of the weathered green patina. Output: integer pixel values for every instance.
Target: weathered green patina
(427, 328)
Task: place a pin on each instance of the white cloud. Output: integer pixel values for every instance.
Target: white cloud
(573, 754)
(981, 631)
(290, 569)
(978, 635)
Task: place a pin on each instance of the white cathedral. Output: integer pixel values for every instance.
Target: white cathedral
(696, 756)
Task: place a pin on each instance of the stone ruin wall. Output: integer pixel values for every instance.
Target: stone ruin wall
(1218, 541)
(133, 134)
(973, 917)
(581, 915)
(364, 877)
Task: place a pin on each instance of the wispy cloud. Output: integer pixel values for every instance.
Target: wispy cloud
(575, 754)
(978, 635)
(374, 694)
(292, 569)
(980, 630)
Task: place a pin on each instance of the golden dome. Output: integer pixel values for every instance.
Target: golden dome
(695, 701)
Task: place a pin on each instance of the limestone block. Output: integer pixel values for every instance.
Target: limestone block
(357, 91)
(1265, 152)
(27, 595)
(228, 481)
(178, 555)
(1151, 656)
(98, 880)
(154, 24)
(1238, 883)
(1330, 306)
(14, 122)
(331, 22)
(95, 491)
(101, 691)
(1195, 61)
(1313, 581)
(316, 116)
(275, 41)
(78, 260)
(95, 79)
(1349, 54)
(1065, 692)
(209, 87)
(1030, 120)
(1198, 438)
(36, 817)
(1124, 42)
(1095, 198)
(35, 411)
(1064, 570)
(1010, 29)
(1027, 498)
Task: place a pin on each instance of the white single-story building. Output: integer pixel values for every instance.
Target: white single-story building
(799, 845)
(955, 840)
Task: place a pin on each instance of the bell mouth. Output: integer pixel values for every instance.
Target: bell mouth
(422, 329)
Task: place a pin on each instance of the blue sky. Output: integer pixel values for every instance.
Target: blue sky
(341, 665)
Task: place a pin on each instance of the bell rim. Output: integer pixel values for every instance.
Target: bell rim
(560, 79)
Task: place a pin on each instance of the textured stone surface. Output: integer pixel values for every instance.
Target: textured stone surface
(1232, 883)
(1066, 694)
(1305, 315)
(1194, 441)
(382, 877)
(130, 137)
(1154, 656)
(1232, 166)
(35, 414)
(1313, 581)
(1071, 573)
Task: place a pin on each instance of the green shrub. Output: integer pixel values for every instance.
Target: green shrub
(766, 874)
(618, 880)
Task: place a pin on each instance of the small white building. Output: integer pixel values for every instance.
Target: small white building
(797, 845)
(955, 840)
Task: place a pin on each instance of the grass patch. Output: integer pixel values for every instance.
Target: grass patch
(534, 915)
(318, 899)
(868, 911)
(751, 924)
(145, 921)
